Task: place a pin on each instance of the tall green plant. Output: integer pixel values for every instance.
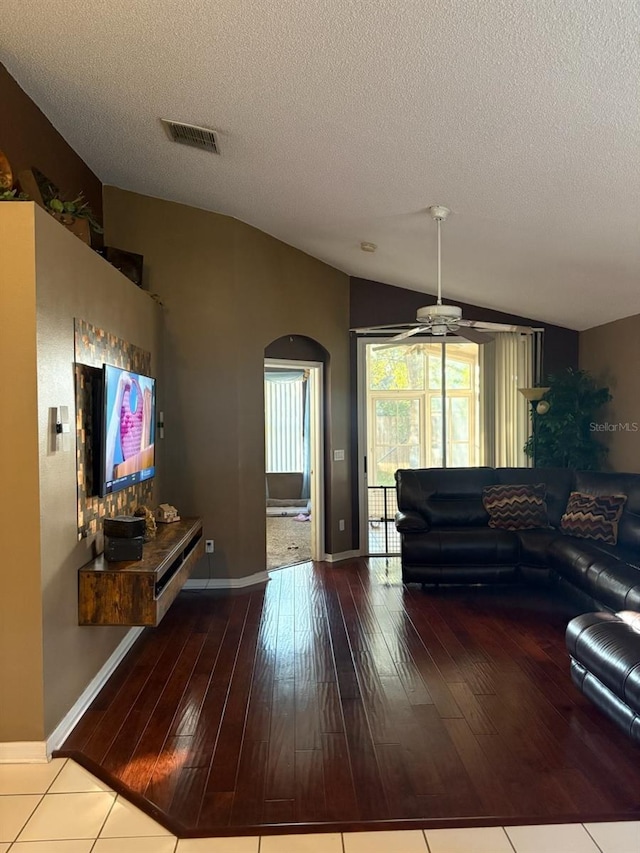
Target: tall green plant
(564, 437)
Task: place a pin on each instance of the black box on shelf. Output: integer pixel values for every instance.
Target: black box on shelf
(124, 526)
(117, 550)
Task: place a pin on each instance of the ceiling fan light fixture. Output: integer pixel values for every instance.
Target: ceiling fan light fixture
(433, 313)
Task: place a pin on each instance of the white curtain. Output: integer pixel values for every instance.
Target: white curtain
(506, 365)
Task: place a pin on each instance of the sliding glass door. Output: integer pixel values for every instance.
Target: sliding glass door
(422, 409)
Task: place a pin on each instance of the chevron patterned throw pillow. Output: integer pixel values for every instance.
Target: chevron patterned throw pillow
(593, 516)
(517, 507)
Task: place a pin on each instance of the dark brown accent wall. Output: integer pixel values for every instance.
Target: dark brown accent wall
(28, 139)
(296, 348)
(611, 353)
(229, 291)
(373, 303)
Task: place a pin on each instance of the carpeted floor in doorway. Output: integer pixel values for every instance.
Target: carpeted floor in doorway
(288, 541)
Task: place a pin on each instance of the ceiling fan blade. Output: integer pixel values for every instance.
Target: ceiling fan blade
(483, 326)
(474, 335)
(371, 329)
(410, 332)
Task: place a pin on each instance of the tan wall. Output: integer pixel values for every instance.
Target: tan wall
(48, 278)
(21, 691)
(612, 354)
(229, 290)
(28, 139)
(73, 281)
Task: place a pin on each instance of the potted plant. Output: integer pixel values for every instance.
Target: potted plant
(562, 435)
(76, 215)
(13, 195)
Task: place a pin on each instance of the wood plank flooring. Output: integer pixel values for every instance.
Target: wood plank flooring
(335, 697)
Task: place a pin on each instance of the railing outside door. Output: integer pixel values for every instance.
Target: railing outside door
(383, 538)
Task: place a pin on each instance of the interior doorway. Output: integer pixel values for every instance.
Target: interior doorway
(293, 461)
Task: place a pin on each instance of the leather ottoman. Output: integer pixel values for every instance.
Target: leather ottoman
(605, 664)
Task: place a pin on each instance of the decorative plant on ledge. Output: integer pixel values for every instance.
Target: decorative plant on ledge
(73, 212)
(13, 195)
(564, 437)
(75, 209)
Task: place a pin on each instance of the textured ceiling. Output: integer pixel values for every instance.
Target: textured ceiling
(341, 120)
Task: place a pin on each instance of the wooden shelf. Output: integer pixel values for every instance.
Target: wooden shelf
(141, 591)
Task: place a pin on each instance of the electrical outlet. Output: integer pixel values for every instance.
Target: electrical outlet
(208, 546)
(341, 524)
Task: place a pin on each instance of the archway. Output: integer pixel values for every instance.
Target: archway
(295, 374)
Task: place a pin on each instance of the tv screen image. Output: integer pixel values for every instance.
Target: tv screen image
(128, 455)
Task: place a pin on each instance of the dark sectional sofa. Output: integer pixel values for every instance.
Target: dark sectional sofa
(446, 538)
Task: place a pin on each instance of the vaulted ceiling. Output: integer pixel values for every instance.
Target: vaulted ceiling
(342, 120)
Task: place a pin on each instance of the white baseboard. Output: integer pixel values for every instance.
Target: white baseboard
(61, 731)
(196, 583)
(226, 583)
(24, 752)
(342, 555)
(36, 752)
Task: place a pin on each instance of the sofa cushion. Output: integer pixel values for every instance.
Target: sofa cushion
(610, 649)
(516, 507)
(593, 516)
(611, 483)
(631, 617)
(608, 580)
(559, 482)
(534, 545)
(456, 512)
(461, 546)
(447, 497)
(626, 555)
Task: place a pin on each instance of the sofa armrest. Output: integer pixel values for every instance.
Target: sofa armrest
(411, 522)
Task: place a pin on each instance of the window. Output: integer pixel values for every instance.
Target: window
(406, 402)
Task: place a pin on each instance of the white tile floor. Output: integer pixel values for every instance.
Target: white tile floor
(60, 808)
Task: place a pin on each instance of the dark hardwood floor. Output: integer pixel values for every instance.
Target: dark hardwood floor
(337, 698)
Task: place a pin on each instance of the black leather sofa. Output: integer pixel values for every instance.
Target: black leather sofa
(605, 665)
(445, 535)
(446, 538)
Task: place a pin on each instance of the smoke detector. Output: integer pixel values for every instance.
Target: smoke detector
(191, 134)
(368, 247)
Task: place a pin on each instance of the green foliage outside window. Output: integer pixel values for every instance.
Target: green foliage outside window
(395, 368)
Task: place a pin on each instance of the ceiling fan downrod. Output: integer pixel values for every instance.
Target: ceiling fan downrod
(439, 213)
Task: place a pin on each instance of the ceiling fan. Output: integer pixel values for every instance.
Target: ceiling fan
(439, 319)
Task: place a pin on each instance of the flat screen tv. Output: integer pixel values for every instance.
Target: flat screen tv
(128, 429)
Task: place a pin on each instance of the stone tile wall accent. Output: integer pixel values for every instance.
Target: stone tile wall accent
(93, 348)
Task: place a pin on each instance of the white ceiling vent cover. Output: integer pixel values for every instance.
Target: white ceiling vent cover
(191, 134)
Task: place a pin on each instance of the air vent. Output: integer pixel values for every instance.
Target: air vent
(191, 134)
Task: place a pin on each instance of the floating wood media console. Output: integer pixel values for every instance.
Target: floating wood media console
(140, 592)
